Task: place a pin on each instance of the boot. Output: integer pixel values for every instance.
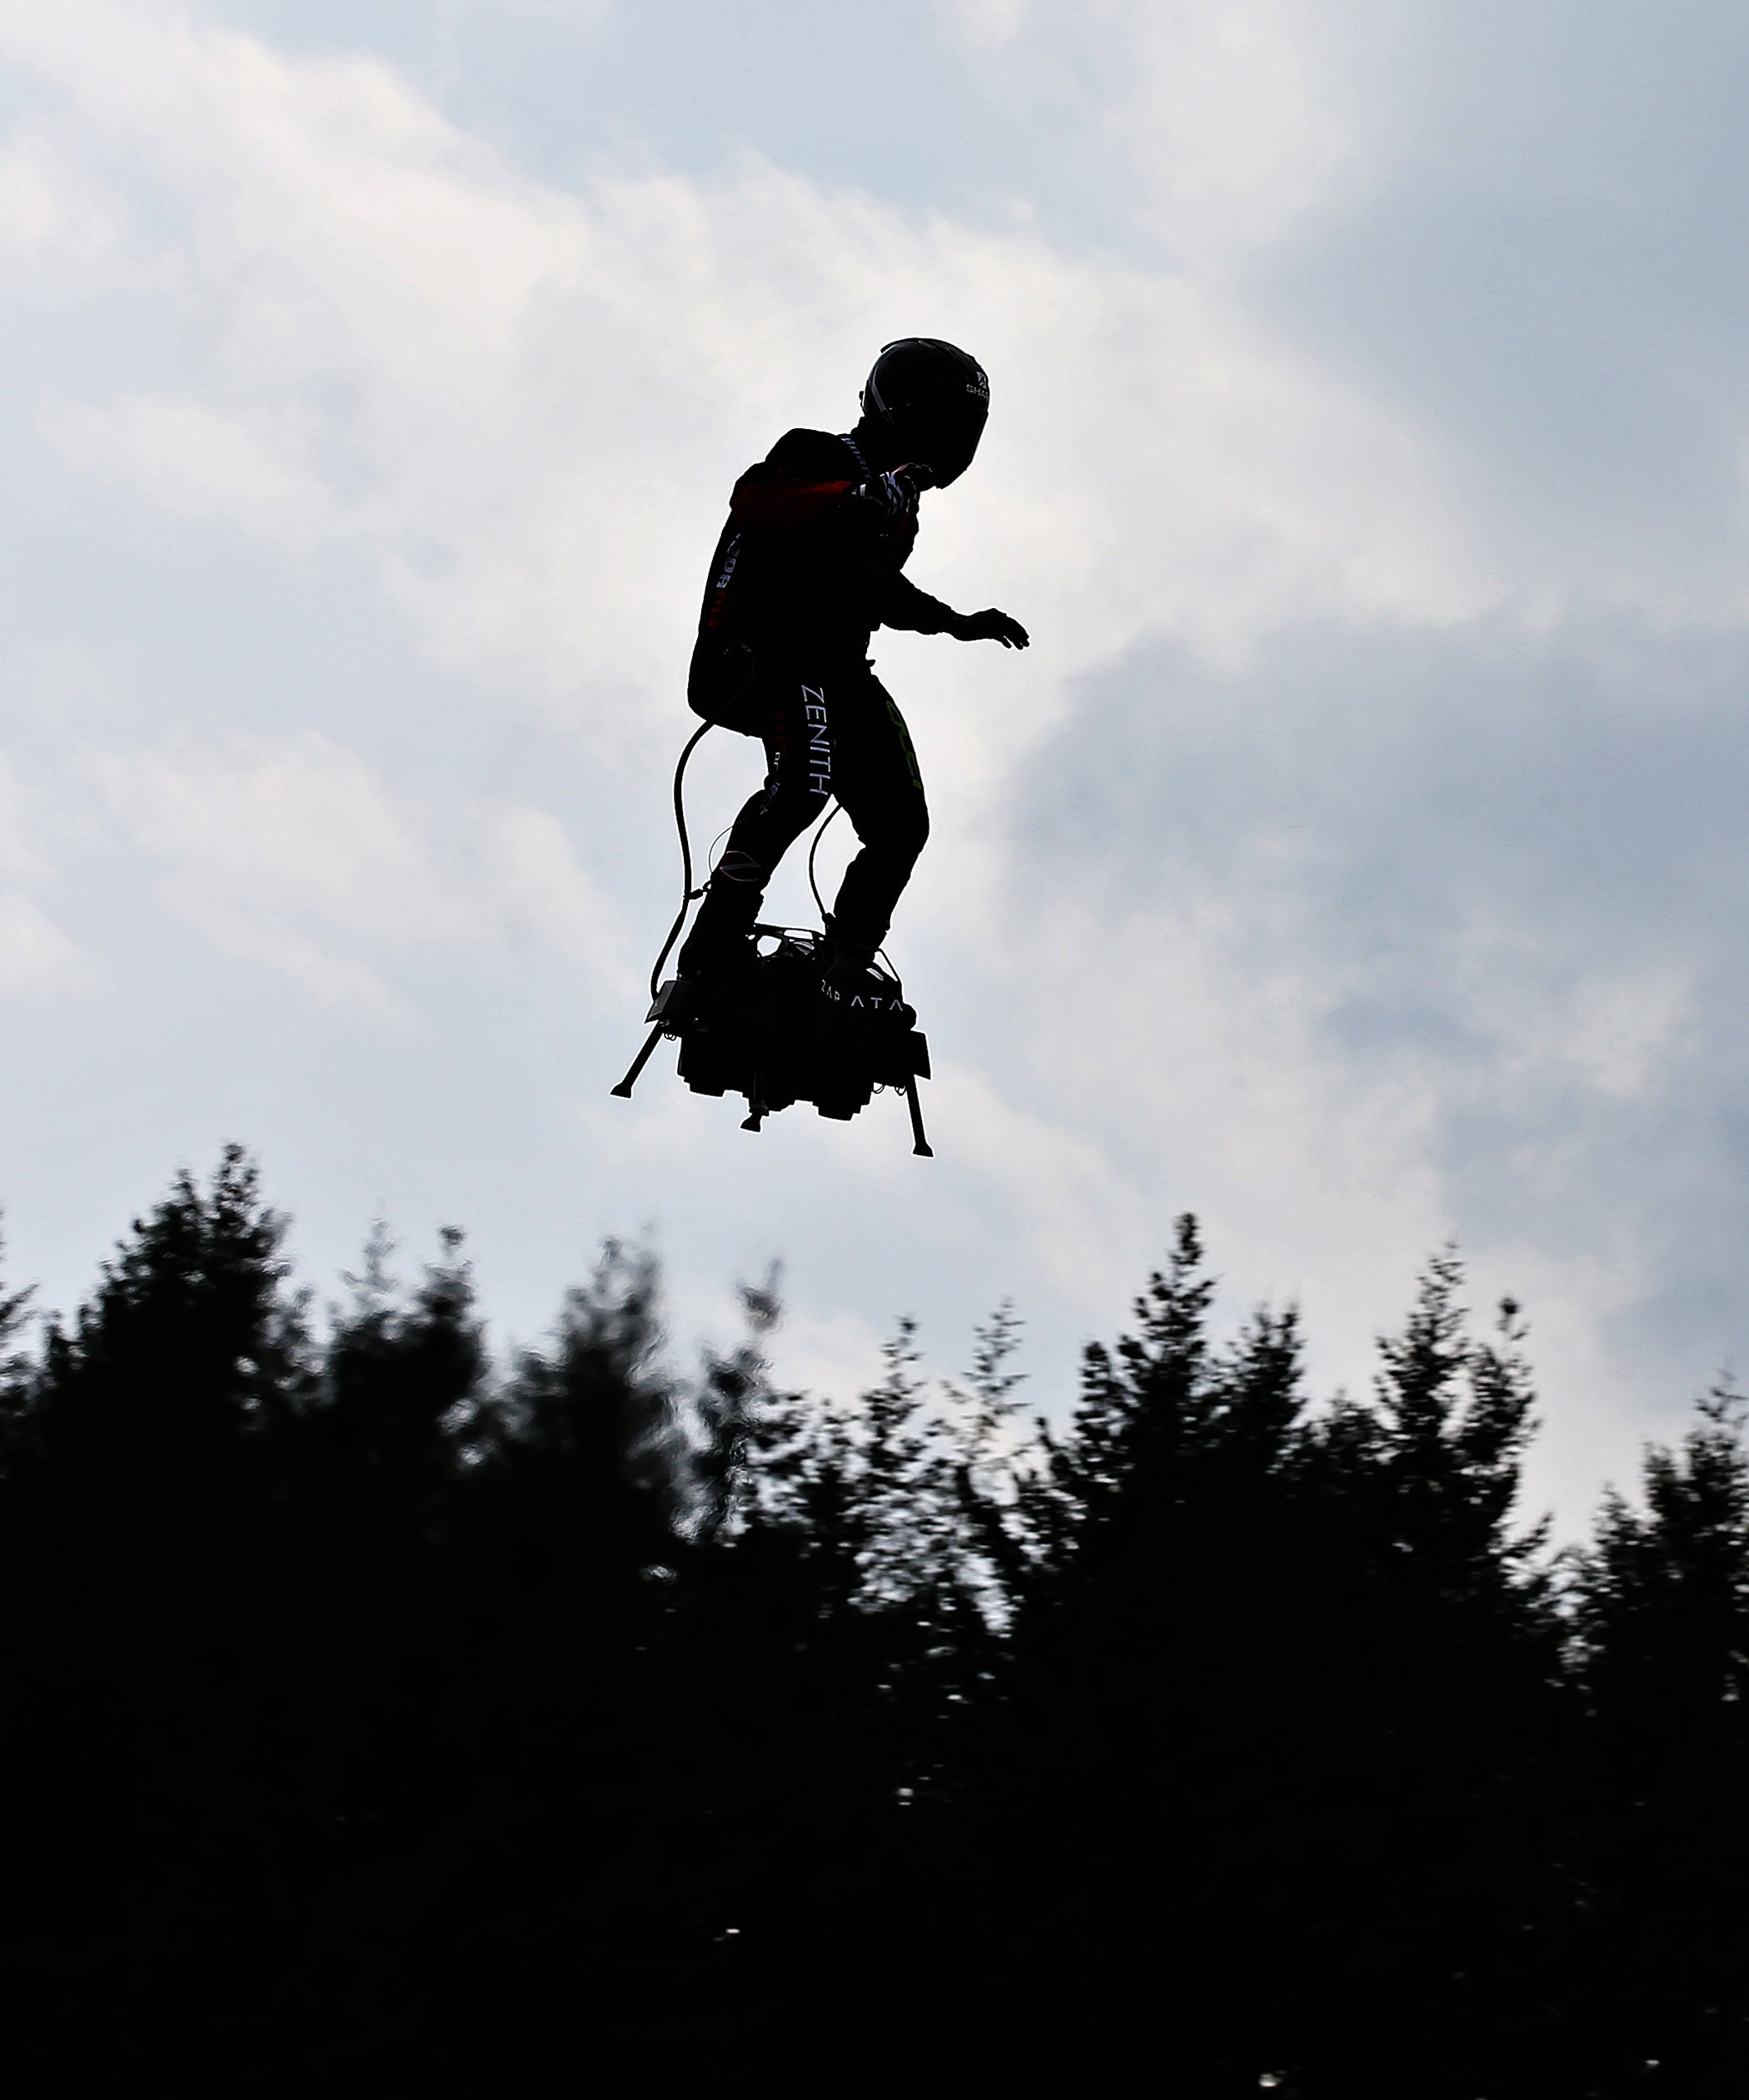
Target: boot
(849, 964)
(718, 947)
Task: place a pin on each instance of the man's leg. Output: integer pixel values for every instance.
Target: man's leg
(801, 763)
(881, 790)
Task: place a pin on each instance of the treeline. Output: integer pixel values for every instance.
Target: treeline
(368, 1710)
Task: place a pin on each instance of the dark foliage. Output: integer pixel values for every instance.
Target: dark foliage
(368, 1710)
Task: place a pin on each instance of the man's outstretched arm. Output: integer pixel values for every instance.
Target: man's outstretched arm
(989, 625)
(916, 612)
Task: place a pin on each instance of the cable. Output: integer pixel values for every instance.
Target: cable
(687, 892)
(819, 831)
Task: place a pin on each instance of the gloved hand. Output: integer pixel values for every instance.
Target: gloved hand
(896, 493)
(990, 626)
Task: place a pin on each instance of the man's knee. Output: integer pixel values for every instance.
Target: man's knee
(894, 841)
(776, 818)
(909, 836)
(791, 811)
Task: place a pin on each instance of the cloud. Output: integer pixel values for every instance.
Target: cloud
(1354, 855)
(21, 859)
(1224, 125)
(297, 856)
(1430, 928)
(196, 461)
(36, 960)
(521, 405)
(1237, 117)
(60, 224)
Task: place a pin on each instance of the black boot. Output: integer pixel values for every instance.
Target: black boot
(719, 945)
(849, 964)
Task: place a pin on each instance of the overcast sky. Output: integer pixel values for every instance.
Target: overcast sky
(1358, 857)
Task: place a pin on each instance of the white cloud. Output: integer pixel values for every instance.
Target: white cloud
(1228, 122)
(60, 224)
(194, 461)
(21, 860)
(303, 312)
(1237, 116)
(988, 22)
(295, 855)
(36, 960)
(1384, 935)
(522, 406)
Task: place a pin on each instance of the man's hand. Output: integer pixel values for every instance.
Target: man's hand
(989, 626)
(896, 493)
(893, 494)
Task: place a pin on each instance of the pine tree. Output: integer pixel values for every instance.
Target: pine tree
(1438, 1730)
(144, 1516)
(1662, 1625)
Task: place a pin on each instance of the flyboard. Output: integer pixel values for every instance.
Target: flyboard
(773, 1030)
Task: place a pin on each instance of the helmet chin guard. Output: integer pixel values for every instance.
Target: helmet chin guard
(932, 399)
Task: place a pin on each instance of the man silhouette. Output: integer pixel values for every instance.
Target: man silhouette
(809, 563)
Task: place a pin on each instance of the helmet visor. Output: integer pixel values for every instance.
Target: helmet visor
(934, 400)
(942, 434)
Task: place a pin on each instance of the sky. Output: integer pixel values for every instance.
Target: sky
(1358, 858)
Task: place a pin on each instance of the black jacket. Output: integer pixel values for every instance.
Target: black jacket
(805, 572)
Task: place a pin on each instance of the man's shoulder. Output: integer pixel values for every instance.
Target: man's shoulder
(813, 455)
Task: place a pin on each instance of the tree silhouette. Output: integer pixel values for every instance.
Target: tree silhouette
(1663, 1615)
(370, 1707)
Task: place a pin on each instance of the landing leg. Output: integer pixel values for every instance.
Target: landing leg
(920, 1144)
(623, 1090)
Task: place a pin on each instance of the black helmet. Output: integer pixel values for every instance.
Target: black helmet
(933, 399)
